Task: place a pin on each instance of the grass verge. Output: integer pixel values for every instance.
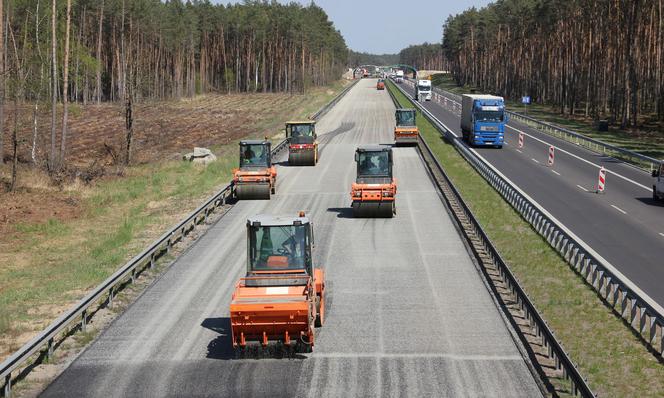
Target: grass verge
(46, 266)
(647, 139)
(607, 352)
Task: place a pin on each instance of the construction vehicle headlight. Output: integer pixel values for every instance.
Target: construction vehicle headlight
(357, 193)
(387, 193)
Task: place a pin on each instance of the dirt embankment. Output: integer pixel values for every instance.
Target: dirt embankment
(163, 130)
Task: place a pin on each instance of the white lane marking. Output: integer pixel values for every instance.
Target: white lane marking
(661, 234)
(582, 159)
(619, 209)
(582, 188)
(553, 171)
(578, 157)
(519, 150)
(534, 160)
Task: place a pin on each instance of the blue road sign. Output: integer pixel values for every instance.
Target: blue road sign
(525, 100)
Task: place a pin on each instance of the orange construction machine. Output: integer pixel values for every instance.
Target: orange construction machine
(380, 85)
(282, 297)
(406, 131)
(373, 193)
(302, 143)
(256, 177)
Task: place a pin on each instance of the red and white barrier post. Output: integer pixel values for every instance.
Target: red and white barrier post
(552, 155)
(601, 181)
(520, 140)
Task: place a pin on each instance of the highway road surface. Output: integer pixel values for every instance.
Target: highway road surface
(408, 313)
(624, 225)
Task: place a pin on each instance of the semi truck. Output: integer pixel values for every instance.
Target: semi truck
(423, 90)
(658, 186)
(399, 76)
(483, 119)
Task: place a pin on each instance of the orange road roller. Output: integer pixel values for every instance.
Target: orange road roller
(405, 131)
(374, 191)
(282, 297)
(302, 143)
(256, 177)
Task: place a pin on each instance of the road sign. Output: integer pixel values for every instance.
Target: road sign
(525, 100)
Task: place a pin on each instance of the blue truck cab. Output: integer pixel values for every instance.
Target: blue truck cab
(483, 120)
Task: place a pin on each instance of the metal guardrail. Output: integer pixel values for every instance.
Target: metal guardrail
(634, 158)
(578, 384)
(639, 310)
(44, 343)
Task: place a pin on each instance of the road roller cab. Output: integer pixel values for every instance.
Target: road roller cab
(256, 177)
(302, 143)
(406, 131)
(282, 297)
(373, 193)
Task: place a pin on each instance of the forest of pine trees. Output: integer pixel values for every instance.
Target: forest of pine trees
(602, 58)
(423, 56)
(360, 58)
(89, 51)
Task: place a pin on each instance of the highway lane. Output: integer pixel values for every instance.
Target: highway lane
(408, 313)
(623, 225)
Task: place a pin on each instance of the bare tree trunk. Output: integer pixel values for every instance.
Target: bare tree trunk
(54, 83)
(2, 83)
(101, 24)
(81, 28)
(14, 144)
(65, 87)
(123, 61)
(129, 124)
(33, 152)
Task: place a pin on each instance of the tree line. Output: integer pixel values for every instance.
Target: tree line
(361, 58)
(89, 51)
(424, 57)
(602, 58)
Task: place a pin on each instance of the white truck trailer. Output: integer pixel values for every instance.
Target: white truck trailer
(423, 90)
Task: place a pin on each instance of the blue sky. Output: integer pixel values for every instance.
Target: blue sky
(388, 26)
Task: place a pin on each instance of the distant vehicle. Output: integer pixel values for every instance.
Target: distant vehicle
(423, 90)
(483, 119)
(399, 76)
(658, 187)
(380, 85)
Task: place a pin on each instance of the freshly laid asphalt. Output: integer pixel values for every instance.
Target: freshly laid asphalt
(408, 313)
(623, 224)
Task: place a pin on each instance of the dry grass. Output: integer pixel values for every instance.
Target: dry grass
(58, 242)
